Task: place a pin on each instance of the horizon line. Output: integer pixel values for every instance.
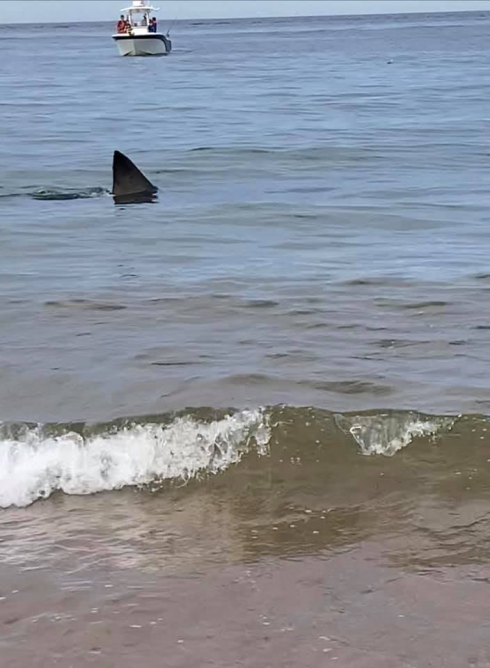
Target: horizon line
(285, 16)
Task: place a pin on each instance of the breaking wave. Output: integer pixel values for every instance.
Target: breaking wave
(386, 434)
(37, 460)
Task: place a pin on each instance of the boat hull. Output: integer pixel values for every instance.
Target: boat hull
(143, 45)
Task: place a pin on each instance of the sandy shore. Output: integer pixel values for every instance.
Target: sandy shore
(345, 610)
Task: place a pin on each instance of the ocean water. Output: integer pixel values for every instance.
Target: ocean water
(265, 395)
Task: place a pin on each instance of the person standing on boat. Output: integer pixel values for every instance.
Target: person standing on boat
(121, 24)
(153, 25)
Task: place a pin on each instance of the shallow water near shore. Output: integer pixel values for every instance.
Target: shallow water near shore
(247, 424)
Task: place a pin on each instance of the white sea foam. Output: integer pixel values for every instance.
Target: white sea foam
(34, 465)
(387, 433)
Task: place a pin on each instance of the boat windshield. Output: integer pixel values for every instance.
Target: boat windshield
(139, 18)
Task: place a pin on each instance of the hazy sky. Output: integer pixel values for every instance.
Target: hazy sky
(100, 10)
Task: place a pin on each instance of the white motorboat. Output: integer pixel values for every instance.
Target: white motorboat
(137, 33)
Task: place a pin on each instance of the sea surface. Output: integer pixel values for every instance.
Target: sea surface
(247, 424)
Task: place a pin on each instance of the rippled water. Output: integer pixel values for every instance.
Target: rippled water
(321, 236)
(276, 373)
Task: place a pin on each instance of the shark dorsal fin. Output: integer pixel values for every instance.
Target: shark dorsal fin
(128, 182)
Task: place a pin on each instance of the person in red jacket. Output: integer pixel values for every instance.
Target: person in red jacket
(121, 24)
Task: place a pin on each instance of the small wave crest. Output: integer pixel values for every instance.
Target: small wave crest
(387, 433)
(53, 194)
(34, 462)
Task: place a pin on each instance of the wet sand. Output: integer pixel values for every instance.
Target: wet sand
(347, 610)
